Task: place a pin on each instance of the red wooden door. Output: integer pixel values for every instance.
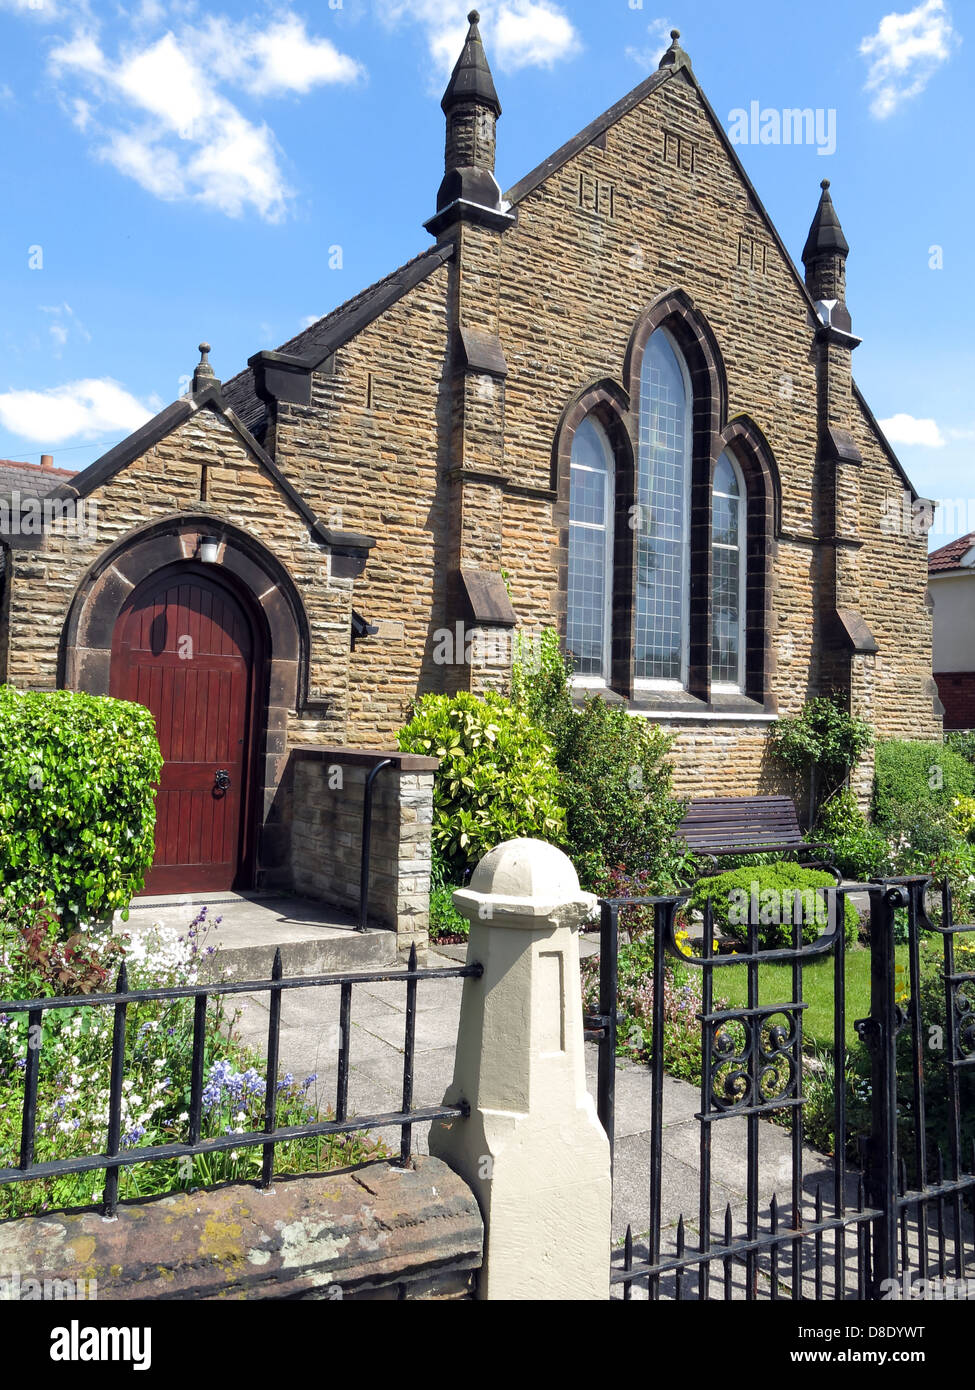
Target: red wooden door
(184, 648)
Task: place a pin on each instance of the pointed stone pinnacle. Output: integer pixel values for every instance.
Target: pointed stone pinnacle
(675, 57)
(203, 374)
(471, 81)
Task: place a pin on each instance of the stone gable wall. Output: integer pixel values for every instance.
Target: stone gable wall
(165, 482)
(655, 205)
(367, 455)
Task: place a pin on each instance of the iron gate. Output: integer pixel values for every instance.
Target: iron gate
(893, 1204)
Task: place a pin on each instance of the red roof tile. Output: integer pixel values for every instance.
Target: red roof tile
(950, 556)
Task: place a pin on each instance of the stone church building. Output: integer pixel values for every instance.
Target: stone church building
(606, 400)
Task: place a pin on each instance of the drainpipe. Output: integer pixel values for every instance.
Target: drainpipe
(366, 843)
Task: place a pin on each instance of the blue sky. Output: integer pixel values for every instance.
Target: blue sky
(177, 171)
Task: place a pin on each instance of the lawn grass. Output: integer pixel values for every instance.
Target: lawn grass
(775, 984)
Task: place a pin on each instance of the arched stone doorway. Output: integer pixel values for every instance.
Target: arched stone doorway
(186, 647)
(108, 648)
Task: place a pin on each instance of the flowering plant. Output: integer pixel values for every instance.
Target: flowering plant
(74, 1091)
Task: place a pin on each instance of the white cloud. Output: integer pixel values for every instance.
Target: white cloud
(649, 57)
(532, 33)
(904, 54)
(159, 115)
(309, 319)
(34, 9)
(282, 58)
(78, 410)
(64, 325)
(905, 429)
(6, 94)
(180, 137)
(516, 33)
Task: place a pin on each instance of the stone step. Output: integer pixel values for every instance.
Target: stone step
(314, 938)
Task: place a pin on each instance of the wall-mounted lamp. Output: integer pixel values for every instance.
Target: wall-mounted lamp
(209, 546)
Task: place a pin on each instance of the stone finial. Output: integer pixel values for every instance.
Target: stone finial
(825, 235)
(675, 57)
(469, 191)
(824, 257)
(203, 374)
(471, 82)
(520, 1065)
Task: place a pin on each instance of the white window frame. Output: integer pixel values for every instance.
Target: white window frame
(728, 687)
(600, 682)
(657, 683)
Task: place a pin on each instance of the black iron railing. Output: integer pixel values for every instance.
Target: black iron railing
(116, 1157)
(753, 1068)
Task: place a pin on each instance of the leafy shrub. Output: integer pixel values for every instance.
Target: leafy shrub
(962, 741)
(963, 816)
(540, 676)
(913, 779)
(621, 815)
(773, 888)
(496, 781)
(860, 851)
(77, 806)
(620, 808)
(445, 921)
(825, 739)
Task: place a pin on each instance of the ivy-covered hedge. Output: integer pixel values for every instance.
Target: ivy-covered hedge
(77, 803)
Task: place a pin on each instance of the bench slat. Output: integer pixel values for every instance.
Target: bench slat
(750, 824)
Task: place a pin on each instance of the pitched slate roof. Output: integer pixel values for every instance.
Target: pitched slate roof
(950, 556)
(31, 477)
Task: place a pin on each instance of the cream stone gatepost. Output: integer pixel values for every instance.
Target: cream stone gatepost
(532, 1149)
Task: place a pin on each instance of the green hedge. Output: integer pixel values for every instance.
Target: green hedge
(77, 803)
(915, 776)
(775, 885)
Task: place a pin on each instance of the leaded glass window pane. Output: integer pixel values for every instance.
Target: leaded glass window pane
(664, 475)
(590, 550)
(727, 538)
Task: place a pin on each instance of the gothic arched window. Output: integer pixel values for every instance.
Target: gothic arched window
(728, 552)
(591, 525)
(663, 486)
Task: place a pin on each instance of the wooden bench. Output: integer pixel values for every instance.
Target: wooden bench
(750, 825)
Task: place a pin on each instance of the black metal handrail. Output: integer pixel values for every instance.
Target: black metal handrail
(114, 1157)
(363, 921)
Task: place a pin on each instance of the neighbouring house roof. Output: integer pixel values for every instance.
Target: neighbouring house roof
(952, 555)
(31, 477)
